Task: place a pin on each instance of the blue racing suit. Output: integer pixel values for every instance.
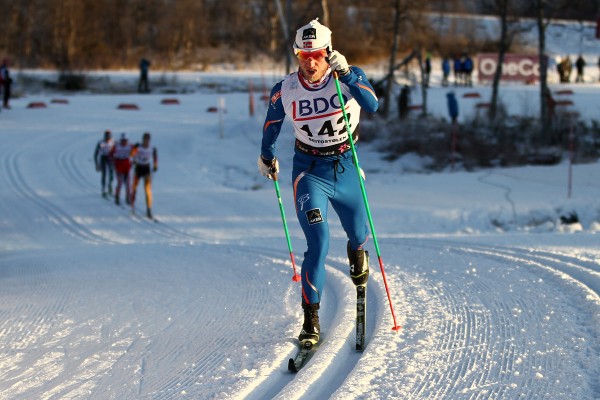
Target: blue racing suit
(323, 169)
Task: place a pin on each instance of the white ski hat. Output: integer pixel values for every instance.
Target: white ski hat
(312, 36)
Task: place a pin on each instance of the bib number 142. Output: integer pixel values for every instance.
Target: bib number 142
(327, 128)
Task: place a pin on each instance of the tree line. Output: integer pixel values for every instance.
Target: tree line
(100, 34)
(86, 34)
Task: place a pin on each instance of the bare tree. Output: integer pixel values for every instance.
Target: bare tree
(396, 38)
(544, 90)
(503, 44)
(510, 27)
(325, 8)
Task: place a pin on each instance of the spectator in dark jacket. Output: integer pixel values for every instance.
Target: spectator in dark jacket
(403, 102)
(457, 71)
(144, 68)
(560, 69)
(445, 71)
(467, 68)
(427, 71)
(452, 106)
(6, 81)
(579, 64)
(567, 67)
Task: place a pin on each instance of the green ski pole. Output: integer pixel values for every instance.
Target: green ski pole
(364, 196)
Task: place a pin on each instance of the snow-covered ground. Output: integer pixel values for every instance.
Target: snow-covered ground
(496, 298)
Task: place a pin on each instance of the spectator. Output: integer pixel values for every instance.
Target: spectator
(579, 64)
(467, 69)
(452, 106)
(567, 67)
(457, 71)
(427, 72)
(403, 102)
(6, 81)
(560, 70)
(445, 71)
(143, 85)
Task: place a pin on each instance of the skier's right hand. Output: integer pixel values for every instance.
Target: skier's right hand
(338, 63)
(268, 168)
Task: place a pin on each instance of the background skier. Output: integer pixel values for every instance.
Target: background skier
(146, 161)
(323, 171)
(103, 161)
(121, 155)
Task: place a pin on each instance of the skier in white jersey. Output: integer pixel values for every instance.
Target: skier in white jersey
(146, 161)
(103, 161)
(323, 170)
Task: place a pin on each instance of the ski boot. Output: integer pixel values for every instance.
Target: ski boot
(359, 265)
(149, 213)
(310, 328)
(117, 200)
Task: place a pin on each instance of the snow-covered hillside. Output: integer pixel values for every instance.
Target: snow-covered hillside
(497, 299)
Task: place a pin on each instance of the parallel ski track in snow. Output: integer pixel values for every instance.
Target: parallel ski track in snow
(336, 357)
(56, 214)
(467, 340)
(216, 347)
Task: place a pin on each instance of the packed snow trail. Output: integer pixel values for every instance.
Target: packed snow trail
(97, 304)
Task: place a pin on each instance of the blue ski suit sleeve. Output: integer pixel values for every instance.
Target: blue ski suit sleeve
(361, 89)
(273, 122)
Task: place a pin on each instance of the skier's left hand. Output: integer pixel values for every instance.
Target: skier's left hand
(338, 62)
(268, 168)
(155, 168)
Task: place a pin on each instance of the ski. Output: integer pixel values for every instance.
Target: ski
(304, 354)
(361, 316)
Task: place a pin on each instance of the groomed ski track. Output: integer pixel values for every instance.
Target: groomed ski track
(97, 304)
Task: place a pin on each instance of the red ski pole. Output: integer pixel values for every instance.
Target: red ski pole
(396, 327)
(296, 277)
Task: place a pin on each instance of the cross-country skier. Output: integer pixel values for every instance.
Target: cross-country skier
(323, 171)
(146, 162)
(121, 154)
(104, 163)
